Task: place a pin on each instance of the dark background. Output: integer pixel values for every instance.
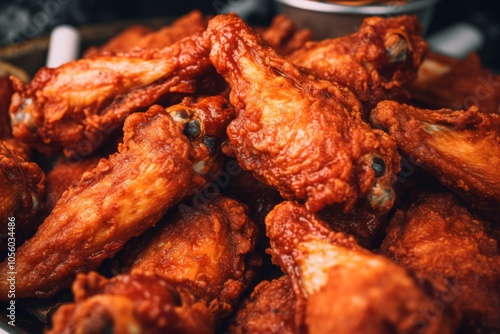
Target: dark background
(14, 15)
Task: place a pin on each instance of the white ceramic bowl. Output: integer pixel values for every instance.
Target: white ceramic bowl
(332, 20)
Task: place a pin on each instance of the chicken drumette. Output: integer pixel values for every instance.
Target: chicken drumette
(343, 288)
(376, 62)
(186, 279)
(164, 157)
(302, 135)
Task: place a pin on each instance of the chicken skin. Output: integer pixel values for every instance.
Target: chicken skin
(143, 38)
(22, 187)
(267, 310)
(187, 278)
(376, 62)
(442, 243)
(76, 106)
(301, 135)
(445, 82)
(457, 147)
(340, 286)
(164, 157)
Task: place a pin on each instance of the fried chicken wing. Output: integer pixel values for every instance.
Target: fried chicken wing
(441, 242)
(299, 134)
(445, 82)
(143, 38)
(134, 303)
(343, 288)
(376, 62)
(267, 310)
(77, 105)
(163, 159)
(457, 147)
(196, 265)
(284, 36)
(22, 187)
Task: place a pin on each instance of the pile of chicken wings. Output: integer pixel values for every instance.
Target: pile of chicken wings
(214, 177)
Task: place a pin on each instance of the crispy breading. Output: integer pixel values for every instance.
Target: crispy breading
(301, 135)
(458, 147)
(438, 240)
(186, 279)
(162, 160)
(377, 62)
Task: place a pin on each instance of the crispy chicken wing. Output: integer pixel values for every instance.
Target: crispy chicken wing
(164, 157)
(441, 242)
(22, 188)
(445, 82)
(302, 135)
(457, 147)
(187, 278)
(376, 62)
(267, 310)
(134, 303)
(143, 38)
(343, 288)
(77, 105)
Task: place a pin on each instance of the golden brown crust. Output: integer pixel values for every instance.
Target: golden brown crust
(328, 268)
(301, 135)
(457, 147)
(76, 106)
(376, 62)
(187, 278)
(131, 303)
(119, 199)
(441, 242)
(219, 265)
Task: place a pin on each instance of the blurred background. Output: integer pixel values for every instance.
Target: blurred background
(22, 20)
